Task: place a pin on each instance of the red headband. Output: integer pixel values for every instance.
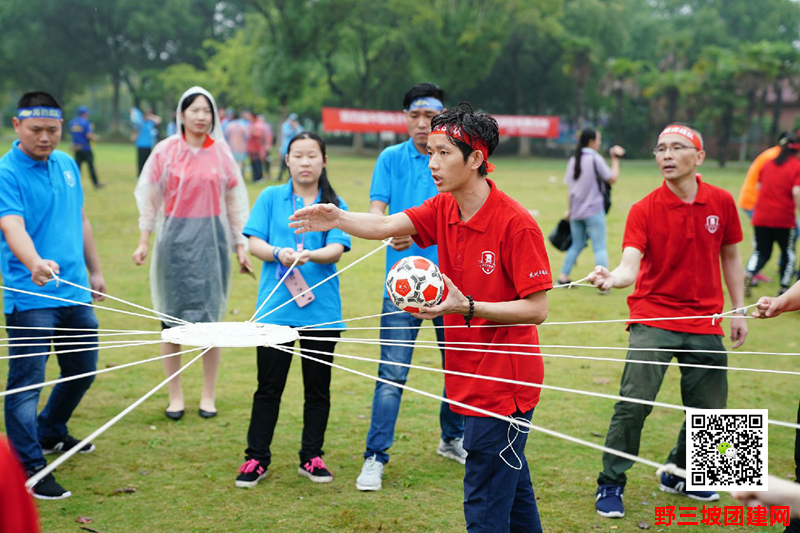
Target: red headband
(683, 131)
(476, 144)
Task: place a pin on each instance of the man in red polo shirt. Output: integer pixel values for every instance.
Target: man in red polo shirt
(675, 239)
(491, 249)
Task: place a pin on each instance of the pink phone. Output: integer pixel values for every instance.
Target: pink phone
(296, 284)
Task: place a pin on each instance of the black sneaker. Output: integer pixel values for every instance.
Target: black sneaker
(47, 488)
(64, 444)
(250, 473)
(316, 471)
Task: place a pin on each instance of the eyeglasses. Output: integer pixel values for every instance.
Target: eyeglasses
(675, 148)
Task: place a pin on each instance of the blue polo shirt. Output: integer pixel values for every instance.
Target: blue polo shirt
(80, 128)
(48, 196)
(147, 134)
(269, 221)
(402, 179)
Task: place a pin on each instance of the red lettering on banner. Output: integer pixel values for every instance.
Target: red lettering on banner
(779, 515)
(374, 121)
(664, 516)
(757, 516)
(688, 515)
(712, 516)
(734, 515)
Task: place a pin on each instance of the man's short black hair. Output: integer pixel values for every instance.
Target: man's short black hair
(473, 124)
(38, 99)
(421, 90)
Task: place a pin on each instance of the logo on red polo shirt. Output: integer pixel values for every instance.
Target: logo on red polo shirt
(487, 262)
(712, 223)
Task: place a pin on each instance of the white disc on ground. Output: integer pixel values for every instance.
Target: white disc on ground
(230, 334)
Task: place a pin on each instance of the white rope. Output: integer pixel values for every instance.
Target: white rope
(52, 466)
(68, 343)
(76, 350)
(578, 283)
(490, 413)
(561, 356)
(260, 307)
(104, 295)
(569, 346)
(528, 384)
(713, 318)
(56, 298)
(338, 272)
(352, 319)
(53, 337)
(92, 373)
(77, 329)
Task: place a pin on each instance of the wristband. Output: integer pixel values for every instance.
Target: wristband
(471, 310)
(276, 251)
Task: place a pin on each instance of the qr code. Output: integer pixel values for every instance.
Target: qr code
(726, 449)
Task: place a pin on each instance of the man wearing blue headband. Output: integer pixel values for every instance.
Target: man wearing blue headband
(401, 180)
(43, 229)
(82, 136)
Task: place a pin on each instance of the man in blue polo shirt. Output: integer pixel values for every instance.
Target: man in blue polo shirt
(145, 134)
(44, 229)
(401, 180)
(82, 136)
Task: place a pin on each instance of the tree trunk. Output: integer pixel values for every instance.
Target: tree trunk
(725, 133)
(579, 95)
(762, 106)
(115, 83)
(776, 110)
(748, 125)
(525, 146)
(358, 143)
(672, 105)
(618, 116)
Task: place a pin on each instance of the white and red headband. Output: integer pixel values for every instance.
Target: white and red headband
(474, 143)
(683, 131)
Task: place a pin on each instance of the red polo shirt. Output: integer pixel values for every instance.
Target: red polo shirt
(497, 256)
(17, 510)
(681, 243)
(775, 206)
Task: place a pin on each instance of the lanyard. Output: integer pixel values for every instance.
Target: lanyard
(300, 243)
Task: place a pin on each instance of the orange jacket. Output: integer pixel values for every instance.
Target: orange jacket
(748, 195)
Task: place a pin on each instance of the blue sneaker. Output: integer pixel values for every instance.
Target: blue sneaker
(677, 485)
(609, 501)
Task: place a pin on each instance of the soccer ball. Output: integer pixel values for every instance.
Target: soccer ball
(413, 283)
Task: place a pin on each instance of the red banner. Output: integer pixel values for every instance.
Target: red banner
(371, 121)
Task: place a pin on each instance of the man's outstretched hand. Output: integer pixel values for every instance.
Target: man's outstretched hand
(317, 217)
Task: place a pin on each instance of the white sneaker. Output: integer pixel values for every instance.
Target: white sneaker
(371, 475)
(453, 450)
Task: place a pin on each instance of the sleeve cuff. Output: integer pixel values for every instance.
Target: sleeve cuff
(536, 288)
(379, 197)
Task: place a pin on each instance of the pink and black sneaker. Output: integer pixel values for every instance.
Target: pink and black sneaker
(250, 473)
(316, 471)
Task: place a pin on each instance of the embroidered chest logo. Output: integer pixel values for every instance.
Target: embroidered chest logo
(69, 178)
(712, 223)
(487, 262)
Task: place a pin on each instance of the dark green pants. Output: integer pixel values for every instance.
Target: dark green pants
(700, 388)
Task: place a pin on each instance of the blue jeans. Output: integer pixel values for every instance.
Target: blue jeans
(23, 428)
(594, 228)
(498, 498)
(386, 400)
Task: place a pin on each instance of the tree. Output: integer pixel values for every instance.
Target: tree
(621, 80)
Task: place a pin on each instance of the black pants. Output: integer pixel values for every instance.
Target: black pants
(273, 368)
(764, 239)
(255, 164)
(141, 157)
(88, 157)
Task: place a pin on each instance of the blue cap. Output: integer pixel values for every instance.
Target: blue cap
(293, 116)
(83, 110)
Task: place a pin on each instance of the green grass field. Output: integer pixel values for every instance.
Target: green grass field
(183, 472)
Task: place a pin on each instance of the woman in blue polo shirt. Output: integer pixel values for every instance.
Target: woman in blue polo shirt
(272, 241)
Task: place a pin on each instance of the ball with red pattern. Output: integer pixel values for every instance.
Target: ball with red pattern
(414, 283)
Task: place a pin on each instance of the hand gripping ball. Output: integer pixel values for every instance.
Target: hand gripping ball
(413, 283)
